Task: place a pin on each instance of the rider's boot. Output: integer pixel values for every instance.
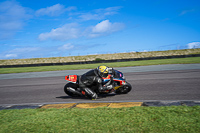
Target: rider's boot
(91, 94)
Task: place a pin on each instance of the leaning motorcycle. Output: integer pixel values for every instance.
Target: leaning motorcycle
(120, 85)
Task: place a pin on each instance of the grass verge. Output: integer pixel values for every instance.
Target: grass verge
(135, 119)
(189, 60)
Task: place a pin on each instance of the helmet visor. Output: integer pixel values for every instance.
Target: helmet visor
(104, 75)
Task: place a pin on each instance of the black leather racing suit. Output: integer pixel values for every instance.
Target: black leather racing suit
(89, 79)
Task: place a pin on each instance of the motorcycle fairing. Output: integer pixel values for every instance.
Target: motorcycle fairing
(121, 82)
(106, 80)
(119, 79)
(71, 78)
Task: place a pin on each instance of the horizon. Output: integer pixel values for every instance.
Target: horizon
(105, 54)
(78, 28)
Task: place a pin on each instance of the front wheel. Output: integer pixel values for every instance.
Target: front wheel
(71, 85)
(124, 89)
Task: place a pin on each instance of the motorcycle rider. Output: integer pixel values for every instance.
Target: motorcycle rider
(94, 78)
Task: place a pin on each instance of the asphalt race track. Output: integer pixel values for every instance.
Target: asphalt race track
(150, 83)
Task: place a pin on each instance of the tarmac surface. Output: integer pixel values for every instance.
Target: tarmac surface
(151, 86)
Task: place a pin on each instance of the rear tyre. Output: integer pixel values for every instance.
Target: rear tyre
(124, 89)
(74, 86)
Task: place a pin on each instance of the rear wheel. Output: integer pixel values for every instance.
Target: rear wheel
(124, 89)
(71, 85)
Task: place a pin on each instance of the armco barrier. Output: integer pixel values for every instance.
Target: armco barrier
(102, 61)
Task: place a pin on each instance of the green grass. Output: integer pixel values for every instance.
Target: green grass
(188, 60)
(173, 119)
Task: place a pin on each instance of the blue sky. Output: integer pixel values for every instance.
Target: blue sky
(54, 28)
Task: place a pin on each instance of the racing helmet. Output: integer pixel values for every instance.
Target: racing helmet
(102, 71)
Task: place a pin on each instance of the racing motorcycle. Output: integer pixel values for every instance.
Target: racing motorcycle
(120, 85)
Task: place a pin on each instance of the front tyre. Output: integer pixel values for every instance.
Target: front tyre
(74, 86)
(124, 89)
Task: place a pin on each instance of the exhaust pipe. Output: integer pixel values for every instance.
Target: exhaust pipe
(73, 91)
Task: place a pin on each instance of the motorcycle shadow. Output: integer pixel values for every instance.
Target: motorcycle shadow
(100, 96)
(69, 97)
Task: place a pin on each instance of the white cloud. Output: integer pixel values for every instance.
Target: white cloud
(104, 28)
(186, 11)
(66, 46)
(25, 52)
(99, 14)
(66, 32)
(73, 31)
(193, 45)
(101, 27)
(12, 18)
(8, 56)
(27, 49)
(54, 10)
